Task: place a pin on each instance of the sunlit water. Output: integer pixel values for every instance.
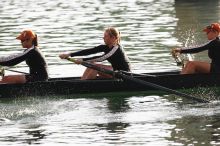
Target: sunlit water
(150, 28)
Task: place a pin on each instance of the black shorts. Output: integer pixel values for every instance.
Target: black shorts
(215, 68)
(34, 78)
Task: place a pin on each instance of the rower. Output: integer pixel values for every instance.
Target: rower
(112, 52)
(213, 47)
(33, 57)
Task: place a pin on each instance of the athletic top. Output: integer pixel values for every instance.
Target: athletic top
(115, 55)
(34, 59)
(213, 47)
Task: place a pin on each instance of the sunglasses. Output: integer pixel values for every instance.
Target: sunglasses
(25, 40)
(211, 28)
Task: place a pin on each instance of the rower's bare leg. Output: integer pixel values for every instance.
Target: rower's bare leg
(89, 74)
(92, 74)
(196, 67)
(13, 79)
(103, 75)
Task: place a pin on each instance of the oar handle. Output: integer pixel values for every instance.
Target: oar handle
(2, 71)
(21, 72)
(71, 59)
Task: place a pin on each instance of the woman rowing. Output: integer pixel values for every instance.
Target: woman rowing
(112, 52)
(33, 57)
(213, 47)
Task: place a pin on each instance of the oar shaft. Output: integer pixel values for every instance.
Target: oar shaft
(142, 82)
(137, 74)
(161, 88)
(16, 71)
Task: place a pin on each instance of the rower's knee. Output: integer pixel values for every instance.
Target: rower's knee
(89, 74)
(189, 68)
(190, 64)
(13, 79)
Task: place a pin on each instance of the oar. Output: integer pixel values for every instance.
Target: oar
(16, 71)
(145, 83)
(137, 74)
(8, 69)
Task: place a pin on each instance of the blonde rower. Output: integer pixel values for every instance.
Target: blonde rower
(111, 51)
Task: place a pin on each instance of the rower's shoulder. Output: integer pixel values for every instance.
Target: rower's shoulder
(215, 42)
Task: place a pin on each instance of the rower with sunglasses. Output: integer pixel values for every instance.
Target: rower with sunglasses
(33, 57)
(213, 47)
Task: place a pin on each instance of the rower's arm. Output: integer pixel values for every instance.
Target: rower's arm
(197, 49)
(85, 52)
(15, 58)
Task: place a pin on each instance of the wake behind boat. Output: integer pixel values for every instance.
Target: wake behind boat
(73, 85)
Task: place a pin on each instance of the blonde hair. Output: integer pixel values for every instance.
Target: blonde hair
(113, 32)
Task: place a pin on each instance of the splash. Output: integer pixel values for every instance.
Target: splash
(208, 93)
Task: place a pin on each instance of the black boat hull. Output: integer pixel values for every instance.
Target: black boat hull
(65, 86)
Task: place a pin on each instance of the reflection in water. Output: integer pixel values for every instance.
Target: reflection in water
(28, 135)
(116, 128)
(195, 130)
(35, 135)
(116, 132)
(116, 104)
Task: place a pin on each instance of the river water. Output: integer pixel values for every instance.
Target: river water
(149, 28)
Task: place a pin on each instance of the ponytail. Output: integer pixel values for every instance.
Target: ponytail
(35, 41)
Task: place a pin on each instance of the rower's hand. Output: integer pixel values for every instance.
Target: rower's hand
(78, 61)
(175, 51)
(64, 56)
